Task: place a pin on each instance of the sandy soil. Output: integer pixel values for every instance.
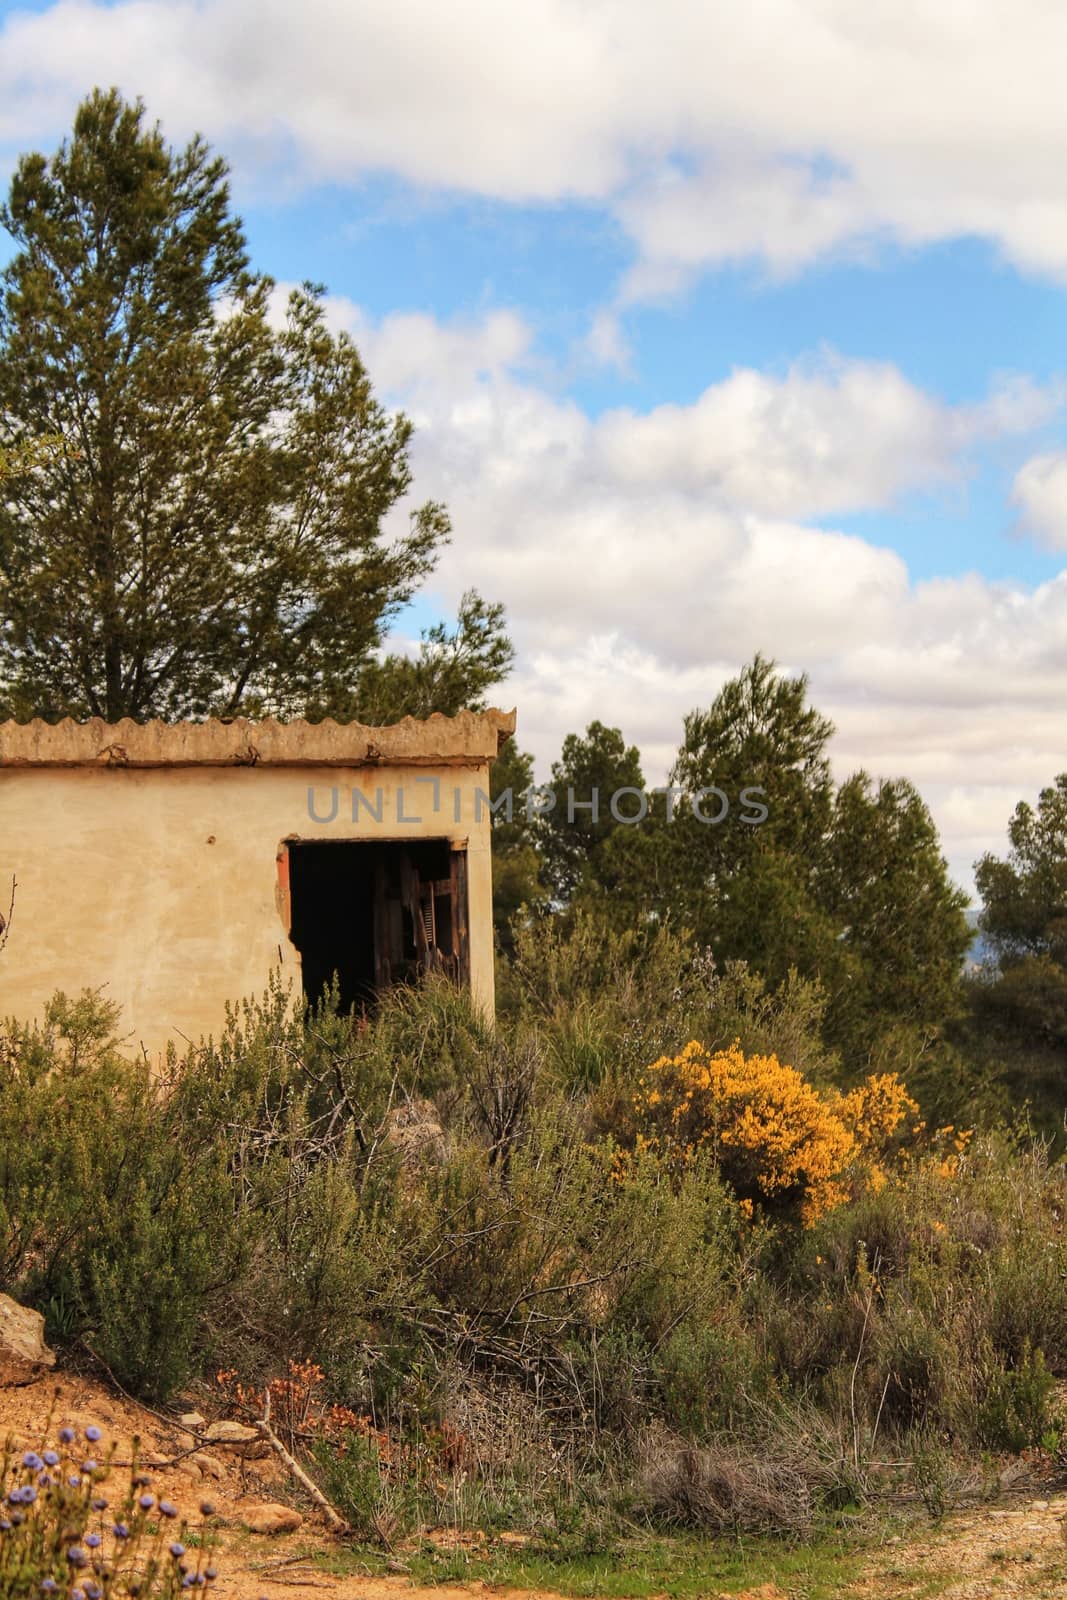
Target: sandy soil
(1015, 1549)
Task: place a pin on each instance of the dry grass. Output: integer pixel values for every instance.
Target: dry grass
(726, 1487)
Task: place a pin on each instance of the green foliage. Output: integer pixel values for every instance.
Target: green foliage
(106, 1221)
(211, 537)
(845, 888)
(903, 930)
(590, 772)
(452, 671)
(18, 459)
(1015, 1411)
(1016, 1035)
(1024, 899)
(519, 892)
(511, 1292)
(746, 890)
(936, 1302)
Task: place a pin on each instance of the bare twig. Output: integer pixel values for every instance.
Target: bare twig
(5, 922)
(262, 1423)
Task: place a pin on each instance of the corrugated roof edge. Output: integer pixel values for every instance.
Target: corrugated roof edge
(470, 736)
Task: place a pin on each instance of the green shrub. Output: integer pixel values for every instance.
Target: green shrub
(1016, 1409)
(109, 1223)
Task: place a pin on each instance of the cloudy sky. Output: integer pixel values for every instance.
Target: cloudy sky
(725, 328)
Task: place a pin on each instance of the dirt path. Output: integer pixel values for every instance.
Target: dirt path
(1007, 1551)
(1018, 1549)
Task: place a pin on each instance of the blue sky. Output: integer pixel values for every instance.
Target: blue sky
(712, 345)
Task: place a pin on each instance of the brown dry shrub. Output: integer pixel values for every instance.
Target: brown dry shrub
(724, 1487)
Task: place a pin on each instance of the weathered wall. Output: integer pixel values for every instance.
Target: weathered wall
(161, 882)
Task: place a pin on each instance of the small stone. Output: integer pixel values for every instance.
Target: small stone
(271, 1518)
(210, 1467)
(24, 1355)
(247, 1442)
(1039, 1505)
(193, 1420)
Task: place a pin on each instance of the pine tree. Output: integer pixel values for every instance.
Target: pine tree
(210, 537)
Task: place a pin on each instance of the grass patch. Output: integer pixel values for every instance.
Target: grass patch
(635, 1568)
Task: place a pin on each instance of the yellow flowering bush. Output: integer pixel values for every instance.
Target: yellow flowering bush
(775, 1137)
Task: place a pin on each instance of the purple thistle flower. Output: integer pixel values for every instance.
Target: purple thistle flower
(74, 1480)
(188, 1580)
(45, 1479)
(177, 1549)
(167, 1509)
(93, 1590)
(92, 1434)
(67, 1436)
(13, 1496)
(89, 1466)
(5, 1526)
(121, 1531)
(77, 1594)
(76, 1556)
(99, 1503)
(146, 1502)
(49, 1585)
(32, 1459)
(93, 1541)
(211, 1572)
(27, 1494)
(18, 1518)
(51, 1459)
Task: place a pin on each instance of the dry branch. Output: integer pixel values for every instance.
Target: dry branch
(337, 1523)
(5, 922)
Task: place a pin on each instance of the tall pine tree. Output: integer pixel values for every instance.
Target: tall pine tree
(210, 537)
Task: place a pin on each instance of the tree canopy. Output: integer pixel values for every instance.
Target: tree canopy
(1021, 1006)
(212, 537)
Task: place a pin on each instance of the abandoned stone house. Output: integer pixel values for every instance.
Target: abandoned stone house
(176, 865)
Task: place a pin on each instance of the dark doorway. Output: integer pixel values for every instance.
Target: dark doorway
(376, 914)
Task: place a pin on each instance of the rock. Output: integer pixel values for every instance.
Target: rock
(247, 1442)
(24, 1355)
(271, 1518)
(210, 1467)
(193, 1420)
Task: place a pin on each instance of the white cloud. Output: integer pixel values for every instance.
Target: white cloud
(644, 558)
(605, 345)
(1040, 492)
(830, 436)
(782, 130)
